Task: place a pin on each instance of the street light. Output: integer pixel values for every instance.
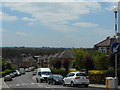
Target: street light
(116, 22)
(115, 11)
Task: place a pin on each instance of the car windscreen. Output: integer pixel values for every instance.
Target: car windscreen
(81, 74)
(57, 76)
(46, 73)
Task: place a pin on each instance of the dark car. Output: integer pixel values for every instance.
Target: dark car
(55, 79)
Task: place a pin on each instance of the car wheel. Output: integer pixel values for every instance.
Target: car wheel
(37, 80)
(54, 82)
(48, 82)
(63, 83)
(72, 84)
(86, 85)
(41, 81)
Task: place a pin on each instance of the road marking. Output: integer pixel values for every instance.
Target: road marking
(10, 85)
(22, 84)
(17, 84)
(32, 83)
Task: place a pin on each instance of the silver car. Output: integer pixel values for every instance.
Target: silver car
(8, 78)
(76, 78)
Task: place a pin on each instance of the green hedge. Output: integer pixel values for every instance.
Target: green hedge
(99, 78)
(60, 71)
(5, 72)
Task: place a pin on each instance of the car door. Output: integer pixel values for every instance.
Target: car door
(66, 79)
(71, 76)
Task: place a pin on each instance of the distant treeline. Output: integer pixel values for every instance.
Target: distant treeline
(11, 52)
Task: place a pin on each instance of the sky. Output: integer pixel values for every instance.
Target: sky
(56, 24)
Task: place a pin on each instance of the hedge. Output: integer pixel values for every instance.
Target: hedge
(60, 71)
(99, 76)
(5, 72)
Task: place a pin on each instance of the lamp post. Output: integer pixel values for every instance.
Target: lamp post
(116, 26)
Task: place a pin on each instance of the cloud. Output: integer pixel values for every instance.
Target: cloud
(31, 23)
(6, 17)
(54, 14)
(85, 24)
(110, 6)
(28, 19)
(22, 34)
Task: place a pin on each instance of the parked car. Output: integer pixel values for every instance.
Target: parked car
(42, 74)
(15, 73)
(12, 74)
(18, 72)
(55, 79)
(76, 78)
(35, 72)
(26, 69)
(8, 78)
(22, 70)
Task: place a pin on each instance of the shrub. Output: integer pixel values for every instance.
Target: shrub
(60, 71)
(74, 70)
(7, 71)
(99, 76)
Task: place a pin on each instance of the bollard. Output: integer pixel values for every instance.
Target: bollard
(111, 83)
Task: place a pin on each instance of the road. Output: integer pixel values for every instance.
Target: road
(27, 81)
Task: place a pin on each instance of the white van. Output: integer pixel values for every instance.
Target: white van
(42, 74)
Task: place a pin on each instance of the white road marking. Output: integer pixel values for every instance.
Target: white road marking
(17, 84)
(10, 85)
(22, 84)
(32, 83)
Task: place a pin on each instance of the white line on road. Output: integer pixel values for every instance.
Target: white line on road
(17, 84)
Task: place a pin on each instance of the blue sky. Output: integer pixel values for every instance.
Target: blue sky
(51, 24)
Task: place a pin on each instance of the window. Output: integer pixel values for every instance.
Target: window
(81, 74)
(70, 74)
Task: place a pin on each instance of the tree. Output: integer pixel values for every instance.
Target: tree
(56, 63)
(77, 58)
(88, 63)
(100, 60)
(66, 64)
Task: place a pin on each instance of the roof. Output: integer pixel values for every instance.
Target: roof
(67, 53)
(28, 59)
(104, 43)
(107, 42)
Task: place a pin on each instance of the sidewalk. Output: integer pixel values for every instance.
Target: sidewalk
(2, 84)
(100, 86)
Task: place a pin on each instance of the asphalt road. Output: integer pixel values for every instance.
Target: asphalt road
(27, 81)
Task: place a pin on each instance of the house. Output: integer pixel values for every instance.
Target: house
(105, 46)
(28, 62)
(67, 54)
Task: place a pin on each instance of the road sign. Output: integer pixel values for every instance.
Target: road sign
(116, 48)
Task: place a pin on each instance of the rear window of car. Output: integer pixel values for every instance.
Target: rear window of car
(81, 74)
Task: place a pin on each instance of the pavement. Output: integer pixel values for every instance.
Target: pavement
(3, 84)
(100, 86)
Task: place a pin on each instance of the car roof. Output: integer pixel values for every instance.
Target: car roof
(77, 72)
(56, 74)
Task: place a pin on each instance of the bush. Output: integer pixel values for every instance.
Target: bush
(99, 76)
(60, 71)
(74, 70)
